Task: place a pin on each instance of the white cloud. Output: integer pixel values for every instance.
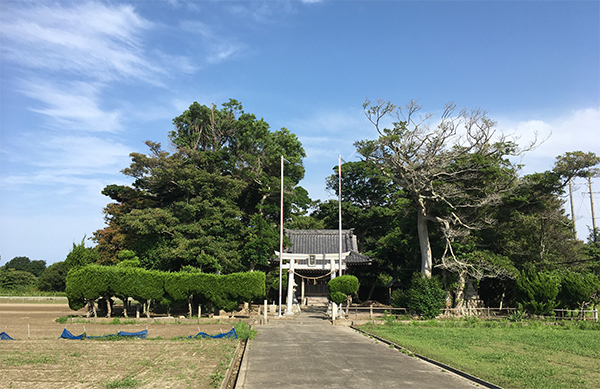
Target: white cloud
(67, 160)
(72, 105)
(577, 130)
(88, 39)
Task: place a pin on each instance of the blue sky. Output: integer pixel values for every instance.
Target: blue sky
(83, 84)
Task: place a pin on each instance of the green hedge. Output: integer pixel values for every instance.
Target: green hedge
(222, 291)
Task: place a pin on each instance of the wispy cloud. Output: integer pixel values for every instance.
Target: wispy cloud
(71, 105)
(59, 159)
(90, 40)
(217, 47)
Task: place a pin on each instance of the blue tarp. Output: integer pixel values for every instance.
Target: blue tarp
(66, 334)
(141, 334)
(5, 336)
(230, 334)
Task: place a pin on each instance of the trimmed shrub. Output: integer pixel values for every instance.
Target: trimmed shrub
(223, 292)
(341, 287)
(337, 297)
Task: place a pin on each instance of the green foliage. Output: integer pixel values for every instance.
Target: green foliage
(273, 284)
(576, 164)
(341, 287)
(35, 267)
(346, 284)
(16, 279)
(516, 316)
(127, 258)
(212, 203)
(577, 288)
(17, 263)
(53, 279)
(425, 296)
(222, 291)
(537, 291)
(398, 299)
(261, 241)
(243, 331)
(337, 297)
(80, 255)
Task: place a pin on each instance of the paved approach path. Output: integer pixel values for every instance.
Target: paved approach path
(309, 352)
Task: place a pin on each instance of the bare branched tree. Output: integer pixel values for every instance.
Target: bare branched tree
(453, 172)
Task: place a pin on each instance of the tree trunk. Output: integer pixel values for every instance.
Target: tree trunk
(190, 299)
(459, 302)
(426, 256)
(108, 306)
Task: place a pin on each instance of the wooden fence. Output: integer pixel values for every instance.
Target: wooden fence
(373, 312)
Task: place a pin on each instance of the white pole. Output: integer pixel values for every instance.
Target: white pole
(572, 207)
(593, 213)
(340, 209)
(281, 237)
(265, 311)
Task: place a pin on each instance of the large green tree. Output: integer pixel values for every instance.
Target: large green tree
(213, 203)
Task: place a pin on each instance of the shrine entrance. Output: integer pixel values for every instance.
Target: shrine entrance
(315, 287)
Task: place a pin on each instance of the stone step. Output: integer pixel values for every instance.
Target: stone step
(317, 301)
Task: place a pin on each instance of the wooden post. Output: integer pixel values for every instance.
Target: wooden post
(371, 311)
(199, 311)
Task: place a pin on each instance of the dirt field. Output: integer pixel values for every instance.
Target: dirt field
(38, 359)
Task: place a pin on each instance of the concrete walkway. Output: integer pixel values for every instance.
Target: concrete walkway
(309, 352)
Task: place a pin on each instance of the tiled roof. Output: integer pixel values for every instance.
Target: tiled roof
(325, 242)
(320, 241)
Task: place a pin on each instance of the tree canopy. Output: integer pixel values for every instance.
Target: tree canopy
(213, 203)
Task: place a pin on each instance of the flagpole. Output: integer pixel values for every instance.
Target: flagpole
(281, 237)
(340, 208)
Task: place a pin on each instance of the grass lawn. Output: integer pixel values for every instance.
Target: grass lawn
(511, 355)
